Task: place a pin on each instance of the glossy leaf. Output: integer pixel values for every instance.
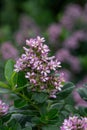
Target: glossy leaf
(36, 120)
(3, 85)
(50, 127)
(9, 67)
(83, 93)
(52, 113)
(4, 91)
(21, 79)
(19, 103)
(58, 106)
(14, 79)
(66, 91)
(40, 97)
(27, 128)
(21, 88)
(14, 125)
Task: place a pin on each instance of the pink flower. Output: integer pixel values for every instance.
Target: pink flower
(54, 32)
(67, 74)
(3, 108)
(63, 55)
(73, 41)
(74, 63)
(72, 13)
(38, 67)
(74, 123)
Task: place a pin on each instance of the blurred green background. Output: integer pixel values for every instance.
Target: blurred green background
(21, 19)
(43, 11)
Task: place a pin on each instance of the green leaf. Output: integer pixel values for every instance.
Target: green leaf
(25, 112)
(9, 67)
(52, 113)
(14, 78)
(28, 128)
(20, 88)
(36, 120)
(3, 85)
(58, 106)
(17, 116)
(4, 91)
(21, 81)
(19, 103)
(6, 118)
(17, 126)
(70, 108)
(43, 108)
(4, 127)
(66, 91)
(82, 111)
(83, 93)
(14, 125)
(50, 127)
(60, 120)
(49, 116)
(40, 97)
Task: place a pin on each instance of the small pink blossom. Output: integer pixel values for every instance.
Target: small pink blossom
(74, 123)
(3, 108)
(38, 67)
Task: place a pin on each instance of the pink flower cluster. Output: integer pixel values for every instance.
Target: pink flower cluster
(75, 123)
(40, 69)
(3, 108)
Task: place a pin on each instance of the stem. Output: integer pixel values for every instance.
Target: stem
(27, 99)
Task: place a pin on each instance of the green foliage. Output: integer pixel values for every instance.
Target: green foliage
(66, 91)
(50, 127)
(27, 128)
(9, 69)
(36, 110)
(21, 81)
(83, 93)
(4, 91)
(19, 103)
(40, 97)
